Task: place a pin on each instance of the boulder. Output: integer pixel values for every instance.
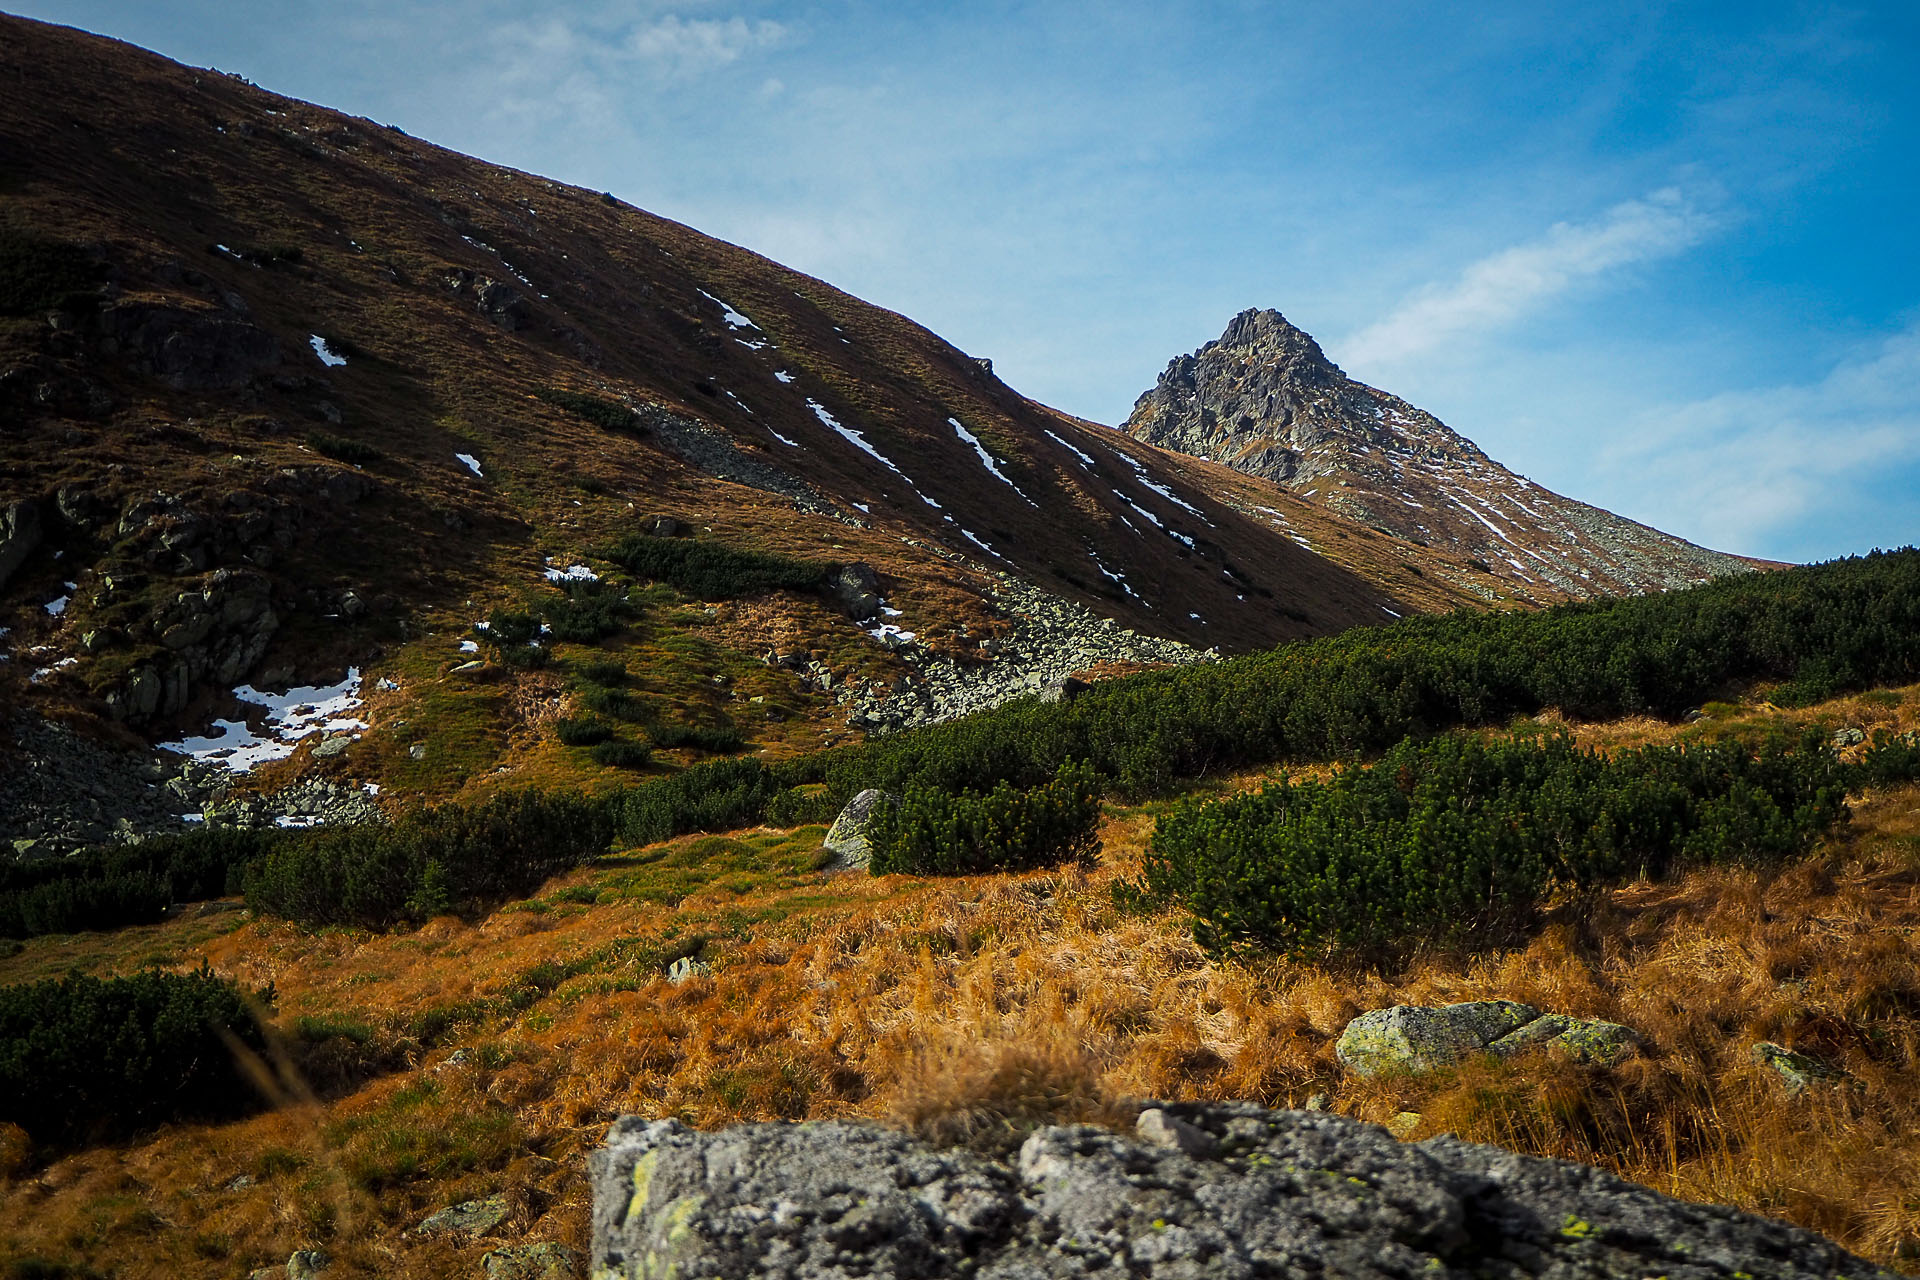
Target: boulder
(1797, 1071)
(20, 534)
(856, 589)
(190, 350)
(848, 838)
(542, 1261)
(1065, 689)
(1268, 1194)
(307, 1263)
(686, 968)
(1414, 1038)
(471, 1218)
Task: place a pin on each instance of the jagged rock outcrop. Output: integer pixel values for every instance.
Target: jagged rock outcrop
(1219, 1190)
(1264, 399)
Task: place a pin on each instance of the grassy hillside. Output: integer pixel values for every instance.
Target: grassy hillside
(475, 1057)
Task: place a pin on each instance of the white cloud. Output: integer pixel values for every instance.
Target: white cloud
(686, 47)
(1504, 286)
(1817, 468)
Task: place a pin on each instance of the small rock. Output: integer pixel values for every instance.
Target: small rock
(1318, 1102)
(334, 746)
(1404, 1123)
(543, 1261)
(1797, 1071)
(418, 751)
(240, 1183)
(473, 1218)
(1850, 736)
(686, 968)
(1581, 1039)
(307, 1263)
(276, 1272)
(848, 837)
(1065, 689)
(1159, 1129)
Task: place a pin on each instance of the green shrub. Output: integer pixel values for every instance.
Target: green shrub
(617, 703)
(587, 613)
(118, 885)
(720, 739)
(38, 274)
(1460, 840)
(715, 795)
(86, 1059)
(713, 571)
(610, 675)
(513, 638)
(342, 449)
(623, 755)
(456, 858)
(582, 731)
(933, 832)
(601, 412)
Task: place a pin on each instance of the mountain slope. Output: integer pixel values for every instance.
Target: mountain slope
(1265, 400)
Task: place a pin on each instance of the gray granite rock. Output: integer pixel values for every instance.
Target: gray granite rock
(848, 838)
(1277, 1193)
(1415, 1038)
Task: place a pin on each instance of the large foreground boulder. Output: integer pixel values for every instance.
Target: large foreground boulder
(1221, 1190)
(850, 838)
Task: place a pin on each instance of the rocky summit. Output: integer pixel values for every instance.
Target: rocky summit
(1265, 399)
(1218, 1190)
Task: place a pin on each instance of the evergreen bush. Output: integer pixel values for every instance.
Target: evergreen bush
(1461, 840)
(937, 832)
(713, 571)
(86, 1059)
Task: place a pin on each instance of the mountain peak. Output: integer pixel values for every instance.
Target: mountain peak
(1264, 399)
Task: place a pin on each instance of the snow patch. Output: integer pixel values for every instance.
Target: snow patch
(324, 349)
(987, 460)
(1086, 459)
(290, 716)
(781, 375)
(572, 573)
(470, 462)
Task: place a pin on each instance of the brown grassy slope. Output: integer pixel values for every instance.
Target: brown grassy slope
(967, 1007)
(154, 165)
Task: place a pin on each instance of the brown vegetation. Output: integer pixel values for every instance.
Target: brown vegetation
(489, 1057)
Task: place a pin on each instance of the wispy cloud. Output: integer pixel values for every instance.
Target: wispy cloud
(1504, 286)
(684, 46)
(1816, 468)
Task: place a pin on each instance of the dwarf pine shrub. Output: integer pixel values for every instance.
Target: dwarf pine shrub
(86, 1059)
(713, 570)
(113, 886)
(1456, 839)
(937, 832)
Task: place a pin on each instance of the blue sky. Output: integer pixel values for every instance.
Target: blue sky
(1660, 257)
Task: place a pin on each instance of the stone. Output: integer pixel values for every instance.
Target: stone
(848, 839)
(1588, 1040)
(1156, 1128)
(1797, 1072)
(855, 588)
(686, 968)
(542, 1261)
(662, 527)
(20, 535)
(1413, 1039)
(1849, 736)
(1279, 1193)
(307, 1263)
(335, 746)
(472, 1218)
(1065, 689)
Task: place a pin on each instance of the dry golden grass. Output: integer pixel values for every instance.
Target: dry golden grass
(969, 1009)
